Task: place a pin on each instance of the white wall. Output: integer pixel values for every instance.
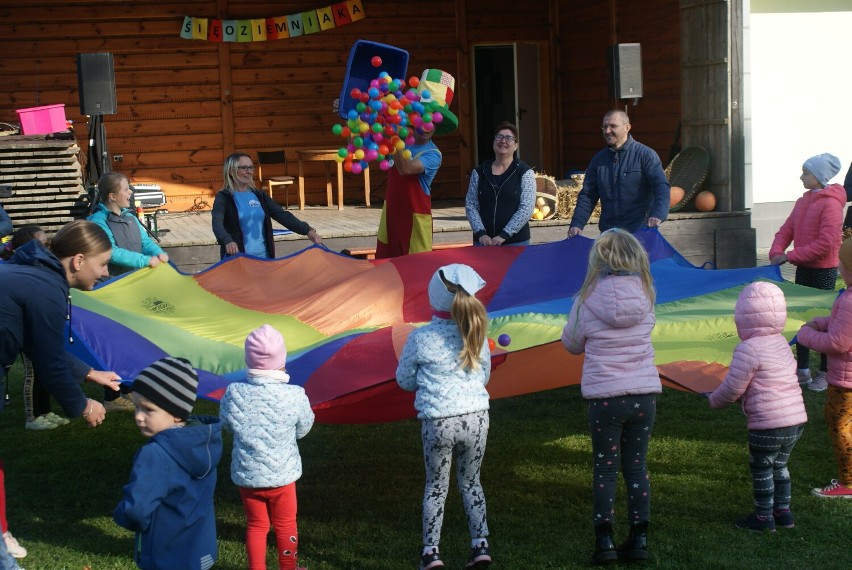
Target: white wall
(798, 87)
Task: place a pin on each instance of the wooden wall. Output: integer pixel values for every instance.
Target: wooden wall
(183, 105)
(586, 30)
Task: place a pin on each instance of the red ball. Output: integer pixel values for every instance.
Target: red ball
(376, 61)
(491, 344)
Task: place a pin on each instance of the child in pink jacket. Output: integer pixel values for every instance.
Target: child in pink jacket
(611, 322)
(762, 376)
(814, 228)
(833, 336)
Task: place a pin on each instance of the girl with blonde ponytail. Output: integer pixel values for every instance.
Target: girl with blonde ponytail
(447, 362)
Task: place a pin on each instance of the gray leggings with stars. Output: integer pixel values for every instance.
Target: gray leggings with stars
(621, 428)
(463, 436)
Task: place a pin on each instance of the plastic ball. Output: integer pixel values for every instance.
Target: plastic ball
(491, 344)
(414, 81)
(384, 165)
(504, 340)
(358, 142)
(356, 168)
(342, 152)
(336, 130)
(359, 154)
(376, 61)
(355, 93)
(437, 117)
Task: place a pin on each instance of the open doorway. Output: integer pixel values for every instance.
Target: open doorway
(506, 88)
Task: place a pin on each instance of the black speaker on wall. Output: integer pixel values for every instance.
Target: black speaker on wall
(96, 83)
(625, 62)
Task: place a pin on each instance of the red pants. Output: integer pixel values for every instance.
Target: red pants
(278, 506)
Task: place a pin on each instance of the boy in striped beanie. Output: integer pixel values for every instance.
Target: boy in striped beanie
(169, 499)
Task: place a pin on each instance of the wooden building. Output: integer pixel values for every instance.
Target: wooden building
(183, 105)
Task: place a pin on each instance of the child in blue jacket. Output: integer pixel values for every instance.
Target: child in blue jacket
(169, 499)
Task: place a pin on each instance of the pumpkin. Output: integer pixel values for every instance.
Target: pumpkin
(705, 201)
(677, 195)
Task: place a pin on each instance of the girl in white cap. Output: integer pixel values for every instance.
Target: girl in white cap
(813, 228)
(447, 363)
(267, 415)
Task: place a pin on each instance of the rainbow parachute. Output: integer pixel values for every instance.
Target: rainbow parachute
(345, 320)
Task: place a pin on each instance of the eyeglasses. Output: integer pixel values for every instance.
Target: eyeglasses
(245, 168)
(507, 138)
(612, 126)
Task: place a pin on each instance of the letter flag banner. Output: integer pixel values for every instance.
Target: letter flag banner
(274, 27)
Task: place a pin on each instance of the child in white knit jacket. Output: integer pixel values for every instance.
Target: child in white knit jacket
(267, 415)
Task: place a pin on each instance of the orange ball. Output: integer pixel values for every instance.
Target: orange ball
(677, 195)
(705, 201)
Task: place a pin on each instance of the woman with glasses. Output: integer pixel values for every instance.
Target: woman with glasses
(242, 214)
(501, 195)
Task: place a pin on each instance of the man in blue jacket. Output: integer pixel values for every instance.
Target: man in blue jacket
(628, 180)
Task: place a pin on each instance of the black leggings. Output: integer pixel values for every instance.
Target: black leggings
(825, 279)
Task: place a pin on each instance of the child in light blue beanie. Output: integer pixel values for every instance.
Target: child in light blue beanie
(814, 229)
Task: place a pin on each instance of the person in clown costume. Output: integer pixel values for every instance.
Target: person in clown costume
(406, 222)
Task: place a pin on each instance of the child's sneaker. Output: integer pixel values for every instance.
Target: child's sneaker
(41, 423)
(429, 560)
(12, 546)
(57, 419)
(783, 518)
(480, 556)
(819, 383)
(833, 491)
(804, 376)
(756, 523)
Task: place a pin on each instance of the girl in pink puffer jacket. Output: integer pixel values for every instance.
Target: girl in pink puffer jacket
(833, 335)
(611, 322)
(814, 228)
(762, 376)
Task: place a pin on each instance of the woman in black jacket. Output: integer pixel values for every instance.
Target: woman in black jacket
(501, 195)
(242, 214)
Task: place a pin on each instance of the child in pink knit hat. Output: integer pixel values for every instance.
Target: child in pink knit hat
(267, 415)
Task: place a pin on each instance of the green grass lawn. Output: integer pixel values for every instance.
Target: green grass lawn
(359, 497)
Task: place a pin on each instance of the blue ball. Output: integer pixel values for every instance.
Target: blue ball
(504, 340)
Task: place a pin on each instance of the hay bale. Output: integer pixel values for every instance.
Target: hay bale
(567, 198)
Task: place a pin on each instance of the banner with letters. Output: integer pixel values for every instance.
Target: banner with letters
(273, 28)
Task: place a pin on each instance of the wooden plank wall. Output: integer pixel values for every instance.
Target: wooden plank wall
(183, 105)
(587, 29)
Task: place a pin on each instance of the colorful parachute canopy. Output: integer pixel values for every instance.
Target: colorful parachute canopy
(345, 320)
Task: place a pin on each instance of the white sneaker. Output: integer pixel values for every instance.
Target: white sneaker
(58, 420)
(13, 547)
(41, 423)
(804, 375)
(123, 403)
(820, 382)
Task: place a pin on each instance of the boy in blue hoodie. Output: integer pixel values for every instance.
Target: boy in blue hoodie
(169, 499)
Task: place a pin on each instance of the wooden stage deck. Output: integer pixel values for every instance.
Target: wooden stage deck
(724, 238)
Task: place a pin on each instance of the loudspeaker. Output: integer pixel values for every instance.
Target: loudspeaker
(625, 62)
(96, 83)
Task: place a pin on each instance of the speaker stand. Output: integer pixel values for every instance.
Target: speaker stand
(97, 157)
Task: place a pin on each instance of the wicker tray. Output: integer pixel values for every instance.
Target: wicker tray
(688, 170)
(546, 194)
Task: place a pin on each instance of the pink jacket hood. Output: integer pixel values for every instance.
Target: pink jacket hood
(762, 374)
(613, 327)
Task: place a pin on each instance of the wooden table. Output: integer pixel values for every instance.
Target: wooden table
(325, 156)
